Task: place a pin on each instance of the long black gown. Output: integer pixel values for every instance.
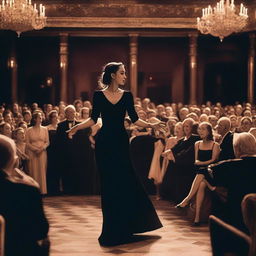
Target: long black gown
(125, 205)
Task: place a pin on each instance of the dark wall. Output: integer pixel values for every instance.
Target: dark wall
(7, 41)
(87, 56)
(223, 68)
(38, 59)
(161, 66)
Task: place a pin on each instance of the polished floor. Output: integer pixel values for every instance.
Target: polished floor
(75, 223)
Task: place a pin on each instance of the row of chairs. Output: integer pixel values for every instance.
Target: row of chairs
(2, 234)
(226, 240)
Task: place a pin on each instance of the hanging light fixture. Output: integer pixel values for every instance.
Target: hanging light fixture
(21, 16)
(223, 19)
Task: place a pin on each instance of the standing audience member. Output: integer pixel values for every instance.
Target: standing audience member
(37, 140)
(21, 207)
(53, 175)
(74, 156)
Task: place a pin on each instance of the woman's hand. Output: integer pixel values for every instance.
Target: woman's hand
(197, 162)
(160, 126)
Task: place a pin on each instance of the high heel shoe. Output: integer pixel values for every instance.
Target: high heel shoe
(181, 206)
(196, 224)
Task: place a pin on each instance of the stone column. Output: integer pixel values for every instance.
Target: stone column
(193, 67)
(251, 67)
(134, 64)
(12, 63)
(13, 67)
(64, 67)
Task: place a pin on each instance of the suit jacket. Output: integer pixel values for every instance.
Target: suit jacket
(226, 146)
(184, 151)
(21, 207)
(239, 177)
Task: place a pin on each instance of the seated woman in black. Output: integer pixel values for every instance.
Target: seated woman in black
(206, 152)
(21, 206)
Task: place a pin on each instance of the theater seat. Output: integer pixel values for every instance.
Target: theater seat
(227, 240)
(2, 235)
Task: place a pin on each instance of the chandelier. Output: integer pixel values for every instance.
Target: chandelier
(223, 19)
(21, 15)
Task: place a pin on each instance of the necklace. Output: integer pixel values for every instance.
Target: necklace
(112, 92)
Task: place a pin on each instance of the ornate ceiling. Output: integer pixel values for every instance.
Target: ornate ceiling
(131, 14)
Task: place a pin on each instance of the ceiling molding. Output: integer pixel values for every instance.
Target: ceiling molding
(120, 22)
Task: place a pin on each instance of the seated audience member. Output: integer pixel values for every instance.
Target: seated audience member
(234, 123)
(84, 113)
(253, 131)
(180, 174)
(226, 143)
(21, 206)
(6, 129)
(245, 124)
(27, 116)
(206, 152)
(23, 125)
(19, 137)
(238, 176)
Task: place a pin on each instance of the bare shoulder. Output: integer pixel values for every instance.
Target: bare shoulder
(197, 142)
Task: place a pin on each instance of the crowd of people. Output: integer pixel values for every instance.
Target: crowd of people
(174, 159)
(202, 150)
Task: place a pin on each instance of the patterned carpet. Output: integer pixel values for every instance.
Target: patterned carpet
(75, 224)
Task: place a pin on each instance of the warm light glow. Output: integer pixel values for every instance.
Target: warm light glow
(21, 15)
(222, 20)
(11, 62)
(62, 64)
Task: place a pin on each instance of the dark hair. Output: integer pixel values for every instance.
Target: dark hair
(5, 152)
(21, 123)
(2, 125)
(34, 117)
(15, 132)
(108, 69)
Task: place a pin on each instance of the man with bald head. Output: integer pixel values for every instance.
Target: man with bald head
(21, 206)
(226, 144)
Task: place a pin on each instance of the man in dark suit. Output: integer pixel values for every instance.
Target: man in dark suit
(226, 144)
(21, 207)
(238, 176)
(74, 156)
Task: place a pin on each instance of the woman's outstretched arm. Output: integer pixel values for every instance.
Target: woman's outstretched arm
(85, 124)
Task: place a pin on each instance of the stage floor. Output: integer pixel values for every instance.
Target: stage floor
(75, 224)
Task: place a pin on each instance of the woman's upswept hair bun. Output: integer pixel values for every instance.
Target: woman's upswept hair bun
(108, 69)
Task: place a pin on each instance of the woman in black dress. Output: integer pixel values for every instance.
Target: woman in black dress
(125, 206)
(206, 152)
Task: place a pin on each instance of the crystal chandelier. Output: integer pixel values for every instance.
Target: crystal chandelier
(222, 20)
(21, 15)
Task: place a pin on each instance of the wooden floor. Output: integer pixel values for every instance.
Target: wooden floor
(75, 224)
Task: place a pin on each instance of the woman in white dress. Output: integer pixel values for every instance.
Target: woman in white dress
(37, 140)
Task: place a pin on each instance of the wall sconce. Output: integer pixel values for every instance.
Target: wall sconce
(11, 62)
(49, 81)
(62, 64)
